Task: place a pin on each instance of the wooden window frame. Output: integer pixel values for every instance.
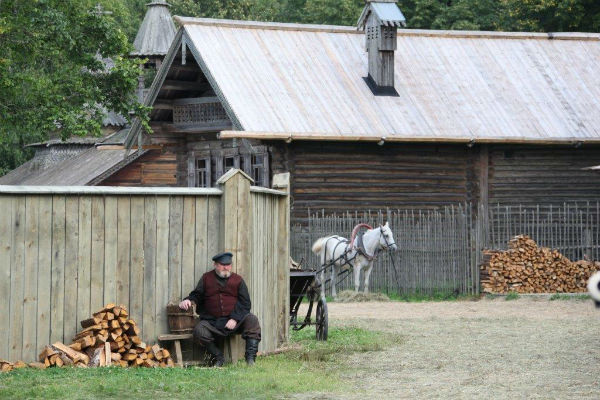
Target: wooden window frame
(193, 159)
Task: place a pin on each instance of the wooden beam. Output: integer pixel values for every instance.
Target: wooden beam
(189, 67)
(163, 105)
(185, 85)
(172, 128)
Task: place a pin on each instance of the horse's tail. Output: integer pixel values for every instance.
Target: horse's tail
(318, 245)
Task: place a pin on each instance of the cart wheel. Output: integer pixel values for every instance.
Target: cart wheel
(322, 320)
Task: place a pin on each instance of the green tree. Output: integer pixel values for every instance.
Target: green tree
(260, 10)
(333, 12)
(52, 77)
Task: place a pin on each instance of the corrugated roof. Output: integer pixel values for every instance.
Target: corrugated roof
(156, 32)
(83, 169)
(488, 86)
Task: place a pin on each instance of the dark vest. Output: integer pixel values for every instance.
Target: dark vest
(219, 301)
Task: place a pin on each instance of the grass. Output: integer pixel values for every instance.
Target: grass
(579, 297)
(435, 296)
(313, 367)
(423, 297)
(512, 296)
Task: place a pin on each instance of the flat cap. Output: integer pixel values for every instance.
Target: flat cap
(223, 258)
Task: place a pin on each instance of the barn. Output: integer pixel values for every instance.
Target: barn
(481, 117)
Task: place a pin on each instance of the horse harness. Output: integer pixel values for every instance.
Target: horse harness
(359, 247)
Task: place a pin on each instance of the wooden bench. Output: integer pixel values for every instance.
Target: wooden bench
(231, 346)
(176, 339)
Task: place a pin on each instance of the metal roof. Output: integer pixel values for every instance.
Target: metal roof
(290, 79)
(156, 32)
(87, 168)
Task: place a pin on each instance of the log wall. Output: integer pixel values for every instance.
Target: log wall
(336, 177)
(543, 175)
(157, 168)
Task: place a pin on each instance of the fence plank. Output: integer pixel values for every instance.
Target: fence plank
(58, 269)
(110, 249)
(71, 254)
(175, 247)
(6, 247)
(16, 279)
(84, 259)
(136, 284)
(44, 273)
(149, 304)
(188, 255)
(162, 263)
(202, 238)
(97, 260)
(214, 230)
(123, 249)
(32, 204)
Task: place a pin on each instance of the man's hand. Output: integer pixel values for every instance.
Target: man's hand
(231, 324)
(185, 304)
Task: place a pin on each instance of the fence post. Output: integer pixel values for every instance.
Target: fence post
(282, 182)
(235, 228)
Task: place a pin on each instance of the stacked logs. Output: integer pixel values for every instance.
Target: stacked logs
(108, 338)
(7, 366)
(527, 268)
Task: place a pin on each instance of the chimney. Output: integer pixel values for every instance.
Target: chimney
(380, 20)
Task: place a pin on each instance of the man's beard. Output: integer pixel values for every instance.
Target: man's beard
(223, 274)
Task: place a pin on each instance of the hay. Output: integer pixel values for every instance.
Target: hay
(350, 296)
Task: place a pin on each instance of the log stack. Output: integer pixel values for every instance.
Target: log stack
(110, 337)
(7, 366)
(527, 268)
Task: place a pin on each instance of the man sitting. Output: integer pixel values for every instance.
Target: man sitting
(223, 302)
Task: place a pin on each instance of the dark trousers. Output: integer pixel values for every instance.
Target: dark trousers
(205, 333)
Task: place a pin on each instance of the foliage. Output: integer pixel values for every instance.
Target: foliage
(52, 78)
(578, 297)
(502, 15)
(314, 367)
(448, 295)
(512, 296)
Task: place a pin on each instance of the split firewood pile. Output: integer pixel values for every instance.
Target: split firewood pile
(527, 268)
(108, 338)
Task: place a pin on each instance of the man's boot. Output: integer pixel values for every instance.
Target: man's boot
(251, 349)
(217, 354)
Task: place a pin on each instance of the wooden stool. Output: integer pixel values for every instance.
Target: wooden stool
(176, 339)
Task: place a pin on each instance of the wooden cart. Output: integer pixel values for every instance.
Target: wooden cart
(304, 284)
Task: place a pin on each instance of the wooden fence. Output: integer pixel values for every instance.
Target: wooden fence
(68, 251)
(440, 250)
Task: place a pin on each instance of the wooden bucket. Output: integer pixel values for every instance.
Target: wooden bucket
(181, 321)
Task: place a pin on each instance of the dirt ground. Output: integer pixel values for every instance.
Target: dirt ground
(525, 348)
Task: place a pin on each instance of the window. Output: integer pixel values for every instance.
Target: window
(257, 171)
(206, 167)
(202, 172)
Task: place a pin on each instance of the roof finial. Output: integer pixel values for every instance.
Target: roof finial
(99, 11)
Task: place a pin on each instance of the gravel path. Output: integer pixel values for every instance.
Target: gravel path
(525, 348)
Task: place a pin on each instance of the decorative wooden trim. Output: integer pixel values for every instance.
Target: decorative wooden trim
(317, 136)
(108, 190)
(260, 189)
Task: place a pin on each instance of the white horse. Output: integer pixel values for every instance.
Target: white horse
(339, 252)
